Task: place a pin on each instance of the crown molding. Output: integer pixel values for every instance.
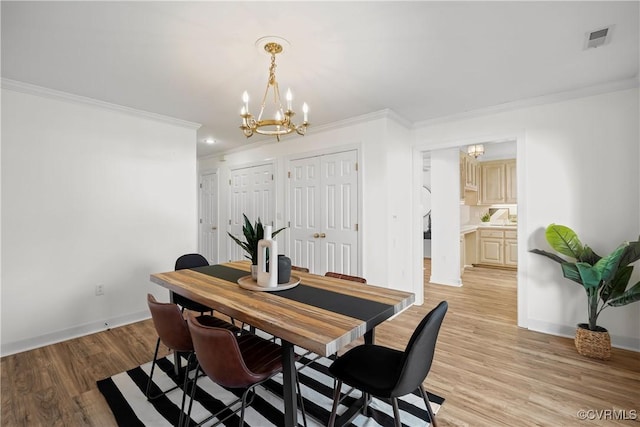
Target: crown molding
(18, 86)
(615, 86)
(364, 118)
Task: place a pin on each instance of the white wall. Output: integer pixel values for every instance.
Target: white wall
(384, 149)
(578, 166)
(445, 217)
(90, 195)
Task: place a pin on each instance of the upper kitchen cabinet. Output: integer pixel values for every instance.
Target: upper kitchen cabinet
(498, 183)
(469, 172)
(469, 177)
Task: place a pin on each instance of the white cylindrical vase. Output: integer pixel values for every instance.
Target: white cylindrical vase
(267, 278)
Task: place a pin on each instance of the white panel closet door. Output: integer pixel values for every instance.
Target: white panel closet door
(323, 211)
(339, 235)
(305, 217)
(252, 193)
(208, 243)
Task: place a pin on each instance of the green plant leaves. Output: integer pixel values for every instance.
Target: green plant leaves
(564, 240)
(605, 279)
(631, 295)
(252, 234)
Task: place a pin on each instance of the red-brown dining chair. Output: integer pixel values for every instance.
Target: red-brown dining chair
(173, 332)
(301, 269)
(243, 362)
(345, 277)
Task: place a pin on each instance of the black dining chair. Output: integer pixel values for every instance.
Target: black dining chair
(388, 373)
(185, 262)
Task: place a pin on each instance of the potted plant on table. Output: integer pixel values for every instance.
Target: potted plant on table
(605, 280)
(252, 234)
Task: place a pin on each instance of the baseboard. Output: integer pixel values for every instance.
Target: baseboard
(626, 343)
(449, 281)
(75, 332)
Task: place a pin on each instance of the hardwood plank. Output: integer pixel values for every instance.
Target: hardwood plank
(491, 372)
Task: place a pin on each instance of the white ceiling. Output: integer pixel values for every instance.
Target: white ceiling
(423, 60)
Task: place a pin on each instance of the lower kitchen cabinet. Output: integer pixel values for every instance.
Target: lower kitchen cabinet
(511, 248)
(498, 247)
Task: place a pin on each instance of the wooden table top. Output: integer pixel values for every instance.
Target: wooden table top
(282, 314)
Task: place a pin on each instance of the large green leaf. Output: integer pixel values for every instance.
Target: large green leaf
(632, 295)
(616, 286)
(590, 275)
(564, 240)
(549, 255)
(604, 270)
(589, 256)
(608, 265)
(631, 254)
(570, 271)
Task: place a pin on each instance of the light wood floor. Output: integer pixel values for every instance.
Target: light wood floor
(490, 372)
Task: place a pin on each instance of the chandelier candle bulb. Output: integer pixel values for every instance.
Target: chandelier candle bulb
(245, 99)
(289, 99)
(305, 110)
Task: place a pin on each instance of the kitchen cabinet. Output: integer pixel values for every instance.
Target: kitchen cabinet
(498, 247)
(498, 182)
(469, 179)
(510, 248)
(468, 249)
(469, 166)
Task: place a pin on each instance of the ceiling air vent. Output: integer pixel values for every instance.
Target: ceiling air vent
(597, 38)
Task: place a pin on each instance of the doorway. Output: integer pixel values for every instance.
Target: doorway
(504, 213)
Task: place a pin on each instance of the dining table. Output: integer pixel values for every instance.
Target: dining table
(320, 314)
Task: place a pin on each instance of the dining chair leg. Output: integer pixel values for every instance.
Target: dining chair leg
(301, 400)
(396, 412)
(185, 385)
(432, 417)
(336, 399)
(244, 405)
(191, 395)
(153, 365)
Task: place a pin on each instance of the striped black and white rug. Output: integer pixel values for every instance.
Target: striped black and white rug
(124, 393)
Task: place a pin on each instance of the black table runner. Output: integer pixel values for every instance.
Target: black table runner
(372, 312)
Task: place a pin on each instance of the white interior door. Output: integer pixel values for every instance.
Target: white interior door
(252, 193)
(208, 242)
(339, 209)
(305, 225)
(323, 213)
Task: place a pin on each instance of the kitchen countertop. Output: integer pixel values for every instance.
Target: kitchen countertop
(469, 228)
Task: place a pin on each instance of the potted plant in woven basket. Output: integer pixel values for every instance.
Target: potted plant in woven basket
(252, 234)
(605, 279)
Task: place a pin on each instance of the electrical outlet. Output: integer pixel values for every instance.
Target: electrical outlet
(99, 290)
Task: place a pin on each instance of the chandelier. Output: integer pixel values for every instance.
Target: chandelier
(281, 123)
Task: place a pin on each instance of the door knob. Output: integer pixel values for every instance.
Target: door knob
(214, 228)
(322, 235)
(316, 235)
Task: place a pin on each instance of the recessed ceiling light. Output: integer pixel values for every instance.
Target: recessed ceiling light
(210, 141)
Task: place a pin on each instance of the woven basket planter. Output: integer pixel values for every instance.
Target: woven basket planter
(595, 344)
